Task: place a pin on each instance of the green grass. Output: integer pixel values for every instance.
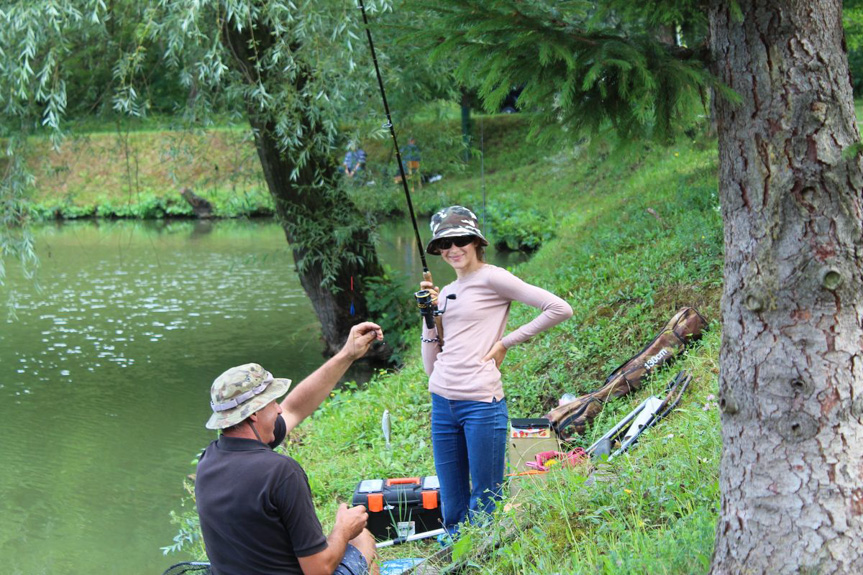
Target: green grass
(627, 238)
(139, 174)
(625, 270)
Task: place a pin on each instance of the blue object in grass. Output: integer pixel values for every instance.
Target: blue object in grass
(444, 540)
(398, 566)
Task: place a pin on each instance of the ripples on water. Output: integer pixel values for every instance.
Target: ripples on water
(104, 380)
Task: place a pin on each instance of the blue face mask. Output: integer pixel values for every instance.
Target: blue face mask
(280, 430)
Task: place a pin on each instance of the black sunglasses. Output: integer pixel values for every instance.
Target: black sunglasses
(458, 241)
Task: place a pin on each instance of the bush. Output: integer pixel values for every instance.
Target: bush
(515, 228)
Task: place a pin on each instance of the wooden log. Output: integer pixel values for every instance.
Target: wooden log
(203, 209)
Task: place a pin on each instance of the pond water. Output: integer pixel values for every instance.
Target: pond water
(105, 374)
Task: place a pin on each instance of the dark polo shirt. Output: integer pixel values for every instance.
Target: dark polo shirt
(256, 509)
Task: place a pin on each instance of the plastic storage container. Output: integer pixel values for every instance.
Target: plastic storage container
(400, 507)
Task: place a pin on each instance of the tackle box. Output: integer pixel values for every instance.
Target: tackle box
(527, 437)
(400, 507)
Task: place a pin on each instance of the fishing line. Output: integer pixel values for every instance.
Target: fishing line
(482, 168)
(389, 125)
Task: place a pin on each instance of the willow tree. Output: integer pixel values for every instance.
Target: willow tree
(791, 363)
(289, 66)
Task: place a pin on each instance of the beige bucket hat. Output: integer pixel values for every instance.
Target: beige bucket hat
(241, 391)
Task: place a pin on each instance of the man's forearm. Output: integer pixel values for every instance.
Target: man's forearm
(327, 561)
(338, 543)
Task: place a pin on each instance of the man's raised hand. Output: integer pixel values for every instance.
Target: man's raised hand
(360, 339)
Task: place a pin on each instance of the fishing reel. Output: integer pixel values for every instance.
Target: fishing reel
(428, 306)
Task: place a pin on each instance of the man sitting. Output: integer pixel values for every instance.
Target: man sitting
(255, 505)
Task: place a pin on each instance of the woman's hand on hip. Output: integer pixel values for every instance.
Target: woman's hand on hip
(497, 353)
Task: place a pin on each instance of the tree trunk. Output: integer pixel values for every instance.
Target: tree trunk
(791, 367)
(309, 206)
(336, 310)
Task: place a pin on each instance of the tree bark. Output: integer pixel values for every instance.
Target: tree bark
(791, 367)
(308, 204)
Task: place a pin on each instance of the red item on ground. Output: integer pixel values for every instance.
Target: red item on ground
(546, 460)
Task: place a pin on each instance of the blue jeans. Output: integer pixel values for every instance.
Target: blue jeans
(353, 563)
(469, 443)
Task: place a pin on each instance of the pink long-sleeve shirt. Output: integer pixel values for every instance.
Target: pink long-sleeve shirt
(474, 322)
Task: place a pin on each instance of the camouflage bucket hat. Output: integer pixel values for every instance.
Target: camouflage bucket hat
(452, 222)
(240, 392)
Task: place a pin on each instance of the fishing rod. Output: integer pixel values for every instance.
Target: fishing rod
(427, 305)
(389, 125)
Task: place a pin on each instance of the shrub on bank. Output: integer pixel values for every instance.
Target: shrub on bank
(519, 228)
(149, 206)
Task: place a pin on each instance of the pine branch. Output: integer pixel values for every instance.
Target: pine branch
(580, 67)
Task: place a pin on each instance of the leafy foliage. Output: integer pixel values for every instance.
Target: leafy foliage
(227, 203)
(582, 68)
(852, 20)
(394, 312)
(188, 538)
(32, 93)
(329, 236)
(519, 228)
(15, 240)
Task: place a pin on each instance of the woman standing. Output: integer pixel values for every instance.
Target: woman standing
(469, 414)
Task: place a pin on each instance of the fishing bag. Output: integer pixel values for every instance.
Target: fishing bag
(685, 327)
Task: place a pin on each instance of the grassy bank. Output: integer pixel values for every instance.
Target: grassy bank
(136, 169)
(637, 238)
(139, 174)
(629, 239)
